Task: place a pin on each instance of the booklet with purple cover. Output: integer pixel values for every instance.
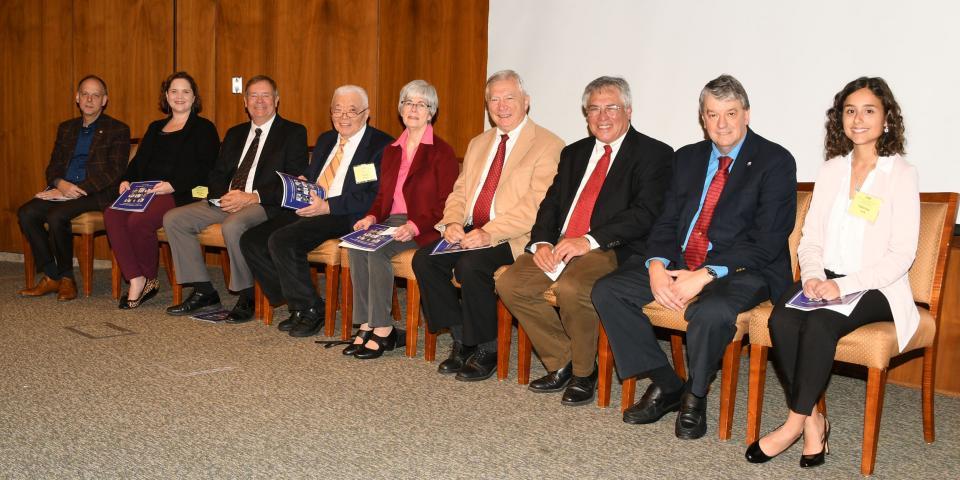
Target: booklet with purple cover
(843, 305)
(447, 247)
(296, 192)
(136, 198)
(213, 316)
(370, 239)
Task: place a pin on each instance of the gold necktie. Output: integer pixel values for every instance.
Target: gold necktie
(330, 172)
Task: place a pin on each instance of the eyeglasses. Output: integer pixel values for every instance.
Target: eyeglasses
(346, 113)
(611, 110)
(420, 106)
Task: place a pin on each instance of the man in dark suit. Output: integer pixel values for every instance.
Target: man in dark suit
(346, 163)
(89, 156)
(718, 249)
(607, 193)
(245, 182)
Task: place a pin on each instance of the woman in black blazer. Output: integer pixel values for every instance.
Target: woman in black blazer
(178, 150)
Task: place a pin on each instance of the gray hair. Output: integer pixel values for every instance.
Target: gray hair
(346, 89)
(419, 88)
(725, 87)
(605, 82)
(504, 75)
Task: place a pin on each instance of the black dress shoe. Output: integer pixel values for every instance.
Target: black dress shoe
(553, 381)
(653, 405)
(817, 459)
(242, 312)
(353, 348)
(196, 302)
(692, 419)
(287, 324)
(580, 391)
(384, 344)
(458, 356)
(311, 321)
(480, 366)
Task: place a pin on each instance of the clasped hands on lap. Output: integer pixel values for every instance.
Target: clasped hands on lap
(475, 238)
(236, 200)
(403, 233)
(816, 289)
(548, 257)
(675, 288)
(64, 191)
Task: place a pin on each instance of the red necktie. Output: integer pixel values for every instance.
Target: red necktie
(481, 209)
(580, 218)
(696, 251)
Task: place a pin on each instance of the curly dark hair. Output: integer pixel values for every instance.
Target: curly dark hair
(890, 142)
(197, 107)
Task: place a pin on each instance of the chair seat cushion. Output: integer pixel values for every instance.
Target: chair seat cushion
(403, 264)
(211, 236)
(665, 318)
(327, 253)
(550, 295)
(874, 344)
(87, 223)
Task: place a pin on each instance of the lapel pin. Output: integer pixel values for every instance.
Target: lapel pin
(100, 131)
(749, 163)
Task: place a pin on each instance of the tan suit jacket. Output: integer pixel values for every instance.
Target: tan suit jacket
(527, 173)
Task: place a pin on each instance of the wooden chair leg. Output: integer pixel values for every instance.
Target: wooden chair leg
(331, 291)
(225, 266)
(429, 343)
(166, 257)
(524, 354)
(876, 383)
(395, 306)
(728, 388)
(758, 380)
(676, 350)
(604, 369)
(114, 277)
(504, 332)
(86, 263)
(929, 371)
(258, 300)
(413, 317)
(345, 304)
(267, 312)
(822, 404)
(29, 269)
(627, 390)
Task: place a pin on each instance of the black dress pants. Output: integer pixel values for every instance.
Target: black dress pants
(53, 248)
(621, 296)
(477, 312)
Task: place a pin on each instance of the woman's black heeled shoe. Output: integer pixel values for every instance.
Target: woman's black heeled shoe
(385, 343)
(817, 459)
(755, 454)
(353, 348)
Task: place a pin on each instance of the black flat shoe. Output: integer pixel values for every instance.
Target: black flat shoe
(196, 302)
(653, 405)
(150, 290)
(384, 344)
(817, 459)
(353, 348)
(755, 454)
(692, 420)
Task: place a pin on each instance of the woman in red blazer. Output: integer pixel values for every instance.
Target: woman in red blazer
(417, 173)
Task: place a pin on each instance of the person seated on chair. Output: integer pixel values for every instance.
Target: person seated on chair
(416, 175)
(178, 150)
(607, 193)
(860, 235)
(245, 182)
(346, 163)
(719, 248)
(506, 172)
(88, 159)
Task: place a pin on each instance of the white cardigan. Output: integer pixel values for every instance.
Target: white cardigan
(890, 243)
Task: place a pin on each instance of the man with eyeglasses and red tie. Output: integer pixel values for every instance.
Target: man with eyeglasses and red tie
(506, 172)
(719, 248)
(607, 193)
(346, 163)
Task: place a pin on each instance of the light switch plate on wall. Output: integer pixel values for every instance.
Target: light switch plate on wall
(237, 85)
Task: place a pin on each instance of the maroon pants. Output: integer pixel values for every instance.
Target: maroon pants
(133, 237)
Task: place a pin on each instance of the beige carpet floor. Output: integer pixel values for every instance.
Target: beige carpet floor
(89, 391)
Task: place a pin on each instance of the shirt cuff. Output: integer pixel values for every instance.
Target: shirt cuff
(258, 195)
(593, 243)
(413, 226)
(666, 263)
(533, 248)
(720, 271)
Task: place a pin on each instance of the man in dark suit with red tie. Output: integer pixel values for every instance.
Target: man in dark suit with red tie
(597, 213)
(718, 249)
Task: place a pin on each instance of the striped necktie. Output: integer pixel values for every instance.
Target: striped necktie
(697, 245)
(330, 172)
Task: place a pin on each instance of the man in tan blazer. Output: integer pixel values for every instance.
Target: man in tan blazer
(506, 172)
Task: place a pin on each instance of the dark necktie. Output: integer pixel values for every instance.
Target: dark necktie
(481, 209)
(696, 251)
(240, 178)
(580, 218)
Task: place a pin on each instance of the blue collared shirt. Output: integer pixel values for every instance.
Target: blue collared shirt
(77, 168)
(712, 166)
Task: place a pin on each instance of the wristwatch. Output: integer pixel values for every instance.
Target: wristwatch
(712, 273)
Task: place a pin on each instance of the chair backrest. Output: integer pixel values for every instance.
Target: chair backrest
(937, 214)
(134, 145)
(804, 195)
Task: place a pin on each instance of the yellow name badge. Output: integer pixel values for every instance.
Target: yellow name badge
(200, 192)
(364, 173)
(865, 206)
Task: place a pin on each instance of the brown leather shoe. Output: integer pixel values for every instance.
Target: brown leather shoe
(68, 290)
(44, 286)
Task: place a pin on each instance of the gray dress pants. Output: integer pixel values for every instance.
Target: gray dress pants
(372, 277)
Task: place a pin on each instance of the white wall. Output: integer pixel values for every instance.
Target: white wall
(791, 57)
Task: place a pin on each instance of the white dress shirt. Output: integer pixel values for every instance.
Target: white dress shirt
(349, 149)
(511, 141)
(264, 131)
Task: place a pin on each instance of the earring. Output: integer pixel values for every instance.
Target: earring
(886, 129)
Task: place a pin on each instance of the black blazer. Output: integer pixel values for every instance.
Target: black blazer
(355, 199)
(753, 218)
(109, 153)
(194, 151)
(285, 151)
(629, 201)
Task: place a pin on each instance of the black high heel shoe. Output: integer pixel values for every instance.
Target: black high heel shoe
(817, 459)
(385, 343)
(755, 454)
(353, 348)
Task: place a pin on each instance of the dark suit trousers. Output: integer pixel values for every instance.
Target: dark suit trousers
(477, 312)
(53, 249)
(711, 320)
(276, 251)
(804, 343)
